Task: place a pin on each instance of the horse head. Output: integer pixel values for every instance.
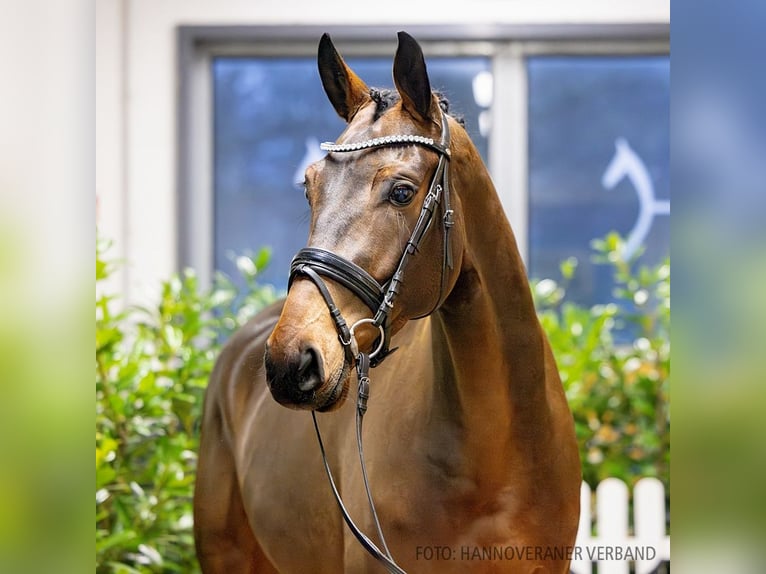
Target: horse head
(365, 202)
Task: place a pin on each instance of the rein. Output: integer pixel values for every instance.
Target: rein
(315, 263)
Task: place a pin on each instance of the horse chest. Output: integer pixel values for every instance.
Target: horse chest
(430, 531)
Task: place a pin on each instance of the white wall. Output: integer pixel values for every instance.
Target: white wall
(136, 83)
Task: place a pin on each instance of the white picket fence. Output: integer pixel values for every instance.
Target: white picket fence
(613, 548)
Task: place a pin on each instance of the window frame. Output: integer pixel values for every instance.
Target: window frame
(507, 46)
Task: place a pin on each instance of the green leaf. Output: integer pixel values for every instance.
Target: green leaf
(263, 258)
(122, 538)
(568, 267)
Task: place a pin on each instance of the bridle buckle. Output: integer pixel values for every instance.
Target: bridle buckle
(449, 219)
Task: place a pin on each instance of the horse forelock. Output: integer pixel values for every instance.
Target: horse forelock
(385, 98)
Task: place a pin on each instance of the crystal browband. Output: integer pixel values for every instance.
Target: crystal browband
(385, 140)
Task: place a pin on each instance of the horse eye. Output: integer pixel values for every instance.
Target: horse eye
(401, 195)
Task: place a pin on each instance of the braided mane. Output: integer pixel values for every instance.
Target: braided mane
(384, 98)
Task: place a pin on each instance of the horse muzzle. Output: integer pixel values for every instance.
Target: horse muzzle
(298, 377)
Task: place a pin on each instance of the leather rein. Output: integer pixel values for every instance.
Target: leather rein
(316, 264)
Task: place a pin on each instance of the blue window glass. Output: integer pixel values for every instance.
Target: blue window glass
(598, 161)
(269, 116)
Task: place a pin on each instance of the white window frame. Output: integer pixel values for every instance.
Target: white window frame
(508, 47)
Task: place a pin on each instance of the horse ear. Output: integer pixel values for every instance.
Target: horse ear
(411, 78)
(346, 91)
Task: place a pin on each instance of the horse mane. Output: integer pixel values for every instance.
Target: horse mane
(384, 98)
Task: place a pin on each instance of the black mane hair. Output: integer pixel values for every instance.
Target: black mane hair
(385, 98)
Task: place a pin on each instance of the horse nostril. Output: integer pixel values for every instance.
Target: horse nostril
(309, 370)
(307, 358)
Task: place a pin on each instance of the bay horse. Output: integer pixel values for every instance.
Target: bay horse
(469, 442)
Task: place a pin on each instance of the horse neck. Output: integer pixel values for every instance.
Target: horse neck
(491, 356)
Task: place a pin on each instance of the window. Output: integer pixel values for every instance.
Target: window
(598, 161)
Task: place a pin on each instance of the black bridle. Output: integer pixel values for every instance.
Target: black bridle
(316, 264)
(380, 298)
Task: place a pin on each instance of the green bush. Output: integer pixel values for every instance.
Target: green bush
(152, 367)
(618, 391)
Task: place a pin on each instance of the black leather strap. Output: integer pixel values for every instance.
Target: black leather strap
(334, 267)
(344, 333)
(368, 544)
(438, 193)
(312, 262)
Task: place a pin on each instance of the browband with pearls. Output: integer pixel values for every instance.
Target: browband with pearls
(385, 140)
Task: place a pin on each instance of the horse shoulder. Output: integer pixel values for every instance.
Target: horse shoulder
(239, 365)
